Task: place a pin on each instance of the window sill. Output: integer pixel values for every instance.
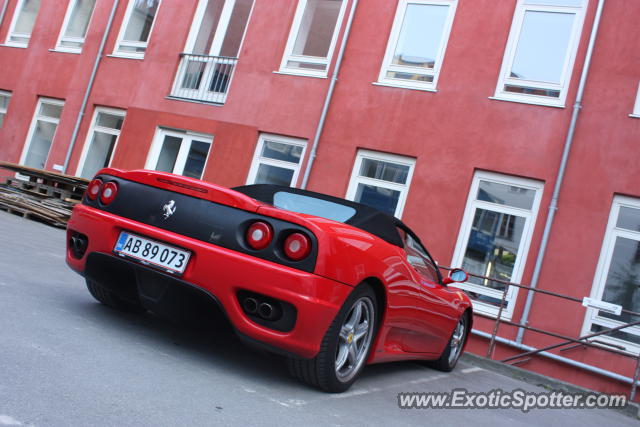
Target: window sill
(122, 56)
(522, 101)
(195, 101)
(635, 116)
(19, 46)
(397, 86)
(301, 74)
(75, 52)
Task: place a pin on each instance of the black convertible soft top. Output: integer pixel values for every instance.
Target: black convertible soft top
(365, 218)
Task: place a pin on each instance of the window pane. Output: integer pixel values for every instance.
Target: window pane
(27, 17)
(99, 154)
(208, 27)
(421, 35)
(312, 206)
(141, 20)
(235, 30)
(621, 335)
(629, 219)
(385, 171)
(284, 152)
(268, 174)
(622, 286)
(53, 111)
(383, 199)
(492, 249)
(112, 121)
(543, 46)
(79, 19)
(1, 119)
(40, 144)
(4, 102)
(169, 154)
(317, 27)
(508, 195)
(574, 3)
(196, 159)
(409, 76)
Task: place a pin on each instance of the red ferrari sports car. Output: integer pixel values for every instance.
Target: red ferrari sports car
(331, 284)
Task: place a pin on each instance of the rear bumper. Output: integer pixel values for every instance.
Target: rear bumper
(219, 273)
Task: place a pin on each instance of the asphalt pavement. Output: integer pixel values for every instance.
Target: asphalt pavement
(66, 360)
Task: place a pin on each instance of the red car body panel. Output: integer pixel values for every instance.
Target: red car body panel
(418, 317)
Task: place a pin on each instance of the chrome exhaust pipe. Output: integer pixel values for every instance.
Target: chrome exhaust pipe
(250, 305)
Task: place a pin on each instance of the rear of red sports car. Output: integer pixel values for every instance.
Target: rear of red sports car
(295, 283)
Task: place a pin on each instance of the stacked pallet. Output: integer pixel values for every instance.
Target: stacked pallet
(45, 196)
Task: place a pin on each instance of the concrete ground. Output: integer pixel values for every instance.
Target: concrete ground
(66, 360)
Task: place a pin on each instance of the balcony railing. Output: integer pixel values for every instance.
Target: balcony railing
(204, 78)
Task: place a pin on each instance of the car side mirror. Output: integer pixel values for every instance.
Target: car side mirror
(457, 275)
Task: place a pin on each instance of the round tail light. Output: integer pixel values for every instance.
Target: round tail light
(297, 246)
(94, 188)
(259, 235)
(109, 192)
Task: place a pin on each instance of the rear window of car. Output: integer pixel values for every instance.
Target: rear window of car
(312, 206)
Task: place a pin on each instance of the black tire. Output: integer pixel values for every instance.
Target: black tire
(448, 361)
(321, 371)
(112, 300)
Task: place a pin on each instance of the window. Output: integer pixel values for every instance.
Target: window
(76, 22)
(617, 278)
(43, 129)
(136, 28)
(636, 108)
(313, 37)
(212, 50)
(418, 257)
(180, 152)
(541, 51)
(417, 43)
(277, 160)
(101, 141)
(381, 181)
(494, 237)
(23, 21)
(4, 105)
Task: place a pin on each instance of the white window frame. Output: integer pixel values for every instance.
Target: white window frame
(123, 28)
(63, 30)
(14, 21)
(530, 216)
(259, 160)
(32, 127)
(384, 157)
(602, 270)
(181, 159)
(94, 127)
(393, 42)
(636, 107)
(4, 110)
(293, 35)
(510, 51)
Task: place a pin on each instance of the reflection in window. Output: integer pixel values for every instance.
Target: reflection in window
(416, 46)
(76, 24)
(43, 129)
(277, 160)
(23, 21)
(103, 135)
(381, 181)
(137, 27)
(178, 152)
(494, 238)
(4, 105)
(618, 279)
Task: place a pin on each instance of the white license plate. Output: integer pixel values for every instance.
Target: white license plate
(151, 252)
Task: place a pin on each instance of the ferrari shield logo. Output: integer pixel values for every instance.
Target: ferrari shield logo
(169, 209)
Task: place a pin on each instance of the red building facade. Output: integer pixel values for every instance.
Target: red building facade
(450, 114)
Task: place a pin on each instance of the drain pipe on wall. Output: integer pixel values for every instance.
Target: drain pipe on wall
(329, 96)
(553, 206)
(87, 92)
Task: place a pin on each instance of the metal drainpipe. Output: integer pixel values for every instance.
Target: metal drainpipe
(94, 71)
(553, 206)
(571, 362)
(327, 100)
(4, 10)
